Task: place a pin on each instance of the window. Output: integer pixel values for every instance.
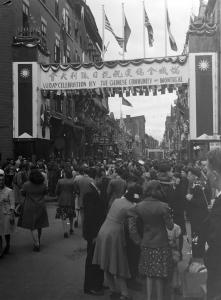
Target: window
(58, 103)
(57, 50)
(25, 15)
(69, 106)
(68, 55)
(57, 9)
(67, 20)
(76, 30)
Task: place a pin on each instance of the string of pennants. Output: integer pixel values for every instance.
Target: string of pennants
(111, 92)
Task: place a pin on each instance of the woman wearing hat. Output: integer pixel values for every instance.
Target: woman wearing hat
(110, 250)
(7, 206)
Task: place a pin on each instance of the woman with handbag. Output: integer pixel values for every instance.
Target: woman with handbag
(7, 221)
(34, 214)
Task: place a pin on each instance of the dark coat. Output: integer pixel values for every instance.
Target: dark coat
(34, 214)
(212, 232)
(166, 186)
(177, 204)
(155, 216)
(197, 207)
(94, 213)
(65, 191)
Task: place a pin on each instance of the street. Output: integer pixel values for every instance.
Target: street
(54, 273)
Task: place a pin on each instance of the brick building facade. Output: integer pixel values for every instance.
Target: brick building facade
(45, 31)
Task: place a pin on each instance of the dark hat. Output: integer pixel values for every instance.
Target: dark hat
(195, 171)
(133, 192)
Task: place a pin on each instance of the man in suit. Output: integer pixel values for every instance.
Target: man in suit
(94, 215)
(212, 228)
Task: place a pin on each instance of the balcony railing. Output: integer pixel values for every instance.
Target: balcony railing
(31, 35)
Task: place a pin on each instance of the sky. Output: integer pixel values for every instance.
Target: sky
(154, 108)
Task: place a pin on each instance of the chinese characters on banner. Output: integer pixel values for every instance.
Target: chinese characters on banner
(120, 76)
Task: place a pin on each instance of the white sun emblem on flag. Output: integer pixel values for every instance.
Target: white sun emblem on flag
(203, 65)
(25, 73)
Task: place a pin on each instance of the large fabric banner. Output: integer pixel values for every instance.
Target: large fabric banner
(203, 96)
(145, 72)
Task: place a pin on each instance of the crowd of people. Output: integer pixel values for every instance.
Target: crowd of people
(133, 216)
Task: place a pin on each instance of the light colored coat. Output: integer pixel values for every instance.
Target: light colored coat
(7, 203)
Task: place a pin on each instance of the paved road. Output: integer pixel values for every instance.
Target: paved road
(56, 273)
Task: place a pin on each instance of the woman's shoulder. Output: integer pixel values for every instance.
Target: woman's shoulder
(7, 190)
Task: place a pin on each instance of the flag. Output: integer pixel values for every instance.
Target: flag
(83, 31)
(126, 102)
(109, 27)
(63, 35)
(149, 28)
(173, 44)
(127, 32)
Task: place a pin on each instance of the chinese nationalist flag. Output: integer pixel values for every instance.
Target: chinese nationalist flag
(204, 95)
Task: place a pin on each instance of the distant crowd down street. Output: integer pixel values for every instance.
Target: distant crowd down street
(133, 215)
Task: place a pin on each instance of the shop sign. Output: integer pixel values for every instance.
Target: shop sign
(164, 73)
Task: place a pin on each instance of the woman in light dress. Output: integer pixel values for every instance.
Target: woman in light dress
(7, 218)
(110, 250)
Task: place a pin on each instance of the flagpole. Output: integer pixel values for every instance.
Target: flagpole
(144, 48)
(165, 1)
(103, 32)
(123, 24)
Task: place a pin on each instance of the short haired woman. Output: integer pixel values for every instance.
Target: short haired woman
(156, 254)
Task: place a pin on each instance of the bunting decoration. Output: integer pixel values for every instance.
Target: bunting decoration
(149, 28)
(173, 44)
(109, 27)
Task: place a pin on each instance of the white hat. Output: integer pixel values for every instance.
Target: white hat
(2, 172)
(141, 162)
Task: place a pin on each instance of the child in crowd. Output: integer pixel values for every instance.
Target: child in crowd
(173, 236)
